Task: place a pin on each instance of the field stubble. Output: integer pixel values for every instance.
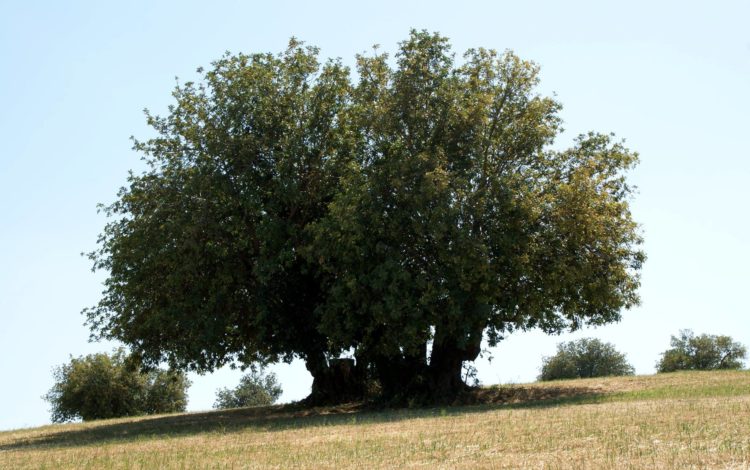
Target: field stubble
(684, 420)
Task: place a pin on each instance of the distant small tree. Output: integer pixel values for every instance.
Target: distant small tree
(587, 357)
(704, 352)
(99, 386)
(166, 392)
(255, 389)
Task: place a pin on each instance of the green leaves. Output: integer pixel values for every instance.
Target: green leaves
(101, 386)
(203, 252)
(703, 352)
(586, 357)
(254, 389)
(458, 205)
(292, 211)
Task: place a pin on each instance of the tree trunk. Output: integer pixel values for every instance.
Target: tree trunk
(445, 372)
(335, 381)
(446, 363)
(401, 377)
(316, 365)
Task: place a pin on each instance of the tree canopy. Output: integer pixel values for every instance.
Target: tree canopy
(99, 386)
(586, 357)
(403, 211)
(255, 389)
(703, 352)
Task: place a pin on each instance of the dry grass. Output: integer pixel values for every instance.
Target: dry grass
(686, 420)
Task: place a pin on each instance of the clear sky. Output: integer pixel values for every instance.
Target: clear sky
(673, 78)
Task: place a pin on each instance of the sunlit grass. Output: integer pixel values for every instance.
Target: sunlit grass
(683, 420)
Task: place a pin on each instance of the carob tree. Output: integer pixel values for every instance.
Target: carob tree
(404, 215)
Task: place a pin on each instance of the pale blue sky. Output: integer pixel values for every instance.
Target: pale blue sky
(672, 78)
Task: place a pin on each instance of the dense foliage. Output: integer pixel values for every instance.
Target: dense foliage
(704, 352)
(291, 212)
(586, 357)
(101, 386)
(255, 389)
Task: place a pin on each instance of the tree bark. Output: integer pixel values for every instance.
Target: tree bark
(335, 381)
(402, 376)
(446, 362)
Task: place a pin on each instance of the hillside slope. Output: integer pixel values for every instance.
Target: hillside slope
(682, 420)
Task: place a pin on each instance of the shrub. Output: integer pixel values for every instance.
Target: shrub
(587, 357)
(704, 352)
(255, 389)
(101, 385)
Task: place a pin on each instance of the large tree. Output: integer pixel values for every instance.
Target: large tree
(406, 215)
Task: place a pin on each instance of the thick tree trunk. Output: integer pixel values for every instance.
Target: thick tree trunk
(402, 376)
(445, 372)
(446, 363)
(316, 364)
(335, 381)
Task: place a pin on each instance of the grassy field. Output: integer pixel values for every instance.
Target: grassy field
(684, 420)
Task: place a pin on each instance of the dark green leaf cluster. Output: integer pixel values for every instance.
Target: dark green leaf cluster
(99, 386)
(204, 250)
(586, 357)
(704, 352)
(296, 209)
(254, 389)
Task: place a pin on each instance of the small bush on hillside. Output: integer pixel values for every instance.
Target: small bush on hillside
(101, 386)
(587, 357)
(255, 389)
(704, 352)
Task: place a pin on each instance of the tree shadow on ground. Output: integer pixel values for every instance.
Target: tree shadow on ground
(296, 416)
